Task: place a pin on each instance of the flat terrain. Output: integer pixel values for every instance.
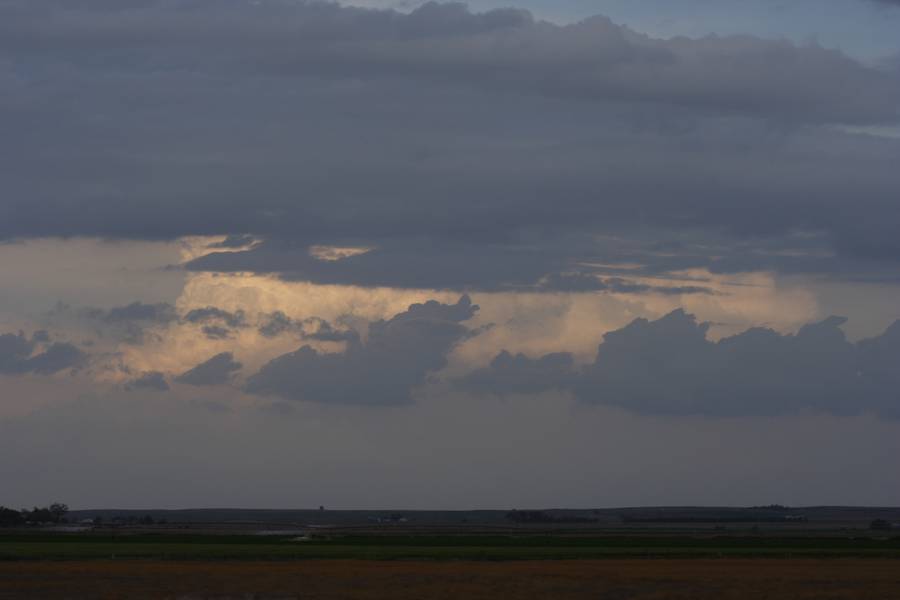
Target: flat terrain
(698, 579)
(556, 546)
(470, 563)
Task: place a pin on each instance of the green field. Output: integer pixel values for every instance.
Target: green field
(38, 546)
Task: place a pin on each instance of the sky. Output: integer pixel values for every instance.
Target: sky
(284, 254)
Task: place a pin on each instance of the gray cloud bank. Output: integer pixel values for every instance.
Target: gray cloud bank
(468, 148)
(420, 264)
(661, 367)
(668, 367)
(594, 59)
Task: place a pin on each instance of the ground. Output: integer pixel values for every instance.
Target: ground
(613, 579)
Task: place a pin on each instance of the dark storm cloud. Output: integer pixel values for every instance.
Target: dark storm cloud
(420, 264)
(396, 357)
(152, 380)
(217, 370)
(594, 59)
(492, 136)
(412, 263)
(17, 355)
(669, 367)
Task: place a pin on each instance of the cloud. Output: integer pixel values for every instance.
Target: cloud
(152, 380)
(276, 324)
(519, 374)
(129, 322)
(211, 314)
(17, 355)
(400, 263)
(504, 49)
(14, 352)
(312, 328)
(216, 371)
(323, 331)
(217, 324)
(669, 367)
(395, 358)
(235, 241)
(57, 357)
(502, 148)
(585, 282)
(136, 311)
(214, 332)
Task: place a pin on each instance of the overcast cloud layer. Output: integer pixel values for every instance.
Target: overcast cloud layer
(440, 136)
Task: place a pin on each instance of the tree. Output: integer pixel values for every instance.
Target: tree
(58, 510)
(39, 515)
(9, 517)
(54, 513)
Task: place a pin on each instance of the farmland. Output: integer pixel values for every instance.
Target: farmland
(701, 579)
(411, 546)
(651, 554)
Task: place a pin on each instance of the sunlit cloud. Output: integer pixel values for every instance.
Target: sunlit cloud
(335, 252)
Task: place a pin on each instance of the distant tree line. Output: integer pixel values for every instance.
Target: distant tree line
(883, 525)
(715, 519)
(130, 520)
(541, 516)
(55, 513)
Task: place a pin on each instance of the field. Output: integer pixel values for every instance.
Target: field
(559, 546)
(686, 554)
(614, 579)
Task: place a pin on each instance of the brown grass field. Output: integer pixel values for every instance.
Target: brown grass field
(696, 579)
